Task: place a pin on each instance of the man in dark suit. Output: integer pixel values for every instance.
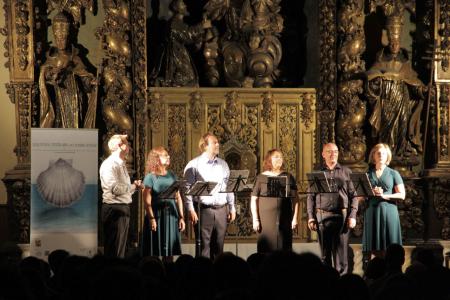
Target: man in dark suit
(332, 214)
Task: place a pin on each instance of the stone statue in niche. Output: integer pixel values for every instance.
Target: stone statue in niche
(396, 97)
(176, 67)
(68, 92)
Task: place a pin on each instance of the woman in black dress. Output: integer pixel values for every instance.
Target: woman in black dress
(274, 213)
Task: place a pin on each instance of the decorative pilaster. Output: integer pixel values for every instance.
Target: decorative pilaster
(19, 15)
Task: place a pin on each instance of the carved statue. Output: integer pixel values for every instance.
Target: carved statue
(68, 92)
(176, 67)
(249, 50)
(395, 92)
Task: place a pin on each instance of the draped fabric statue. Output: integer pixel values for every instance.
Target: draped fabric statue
(176, 67)
(395, 94)
(68, 92)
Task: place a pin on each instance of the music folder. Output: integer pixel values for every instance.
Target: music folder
(362, 184)
(318, 183)
(201, 188)
(170, 192)
(278, 186)
(237, 181)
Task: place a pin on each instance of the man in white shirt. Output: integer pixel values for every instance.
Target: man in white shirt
(117, 191)
(216, 209)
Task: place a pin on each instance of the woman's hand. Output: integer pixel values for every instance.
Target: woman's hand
(294, 223)
(181, 224)
(378, 191)
(153, 224)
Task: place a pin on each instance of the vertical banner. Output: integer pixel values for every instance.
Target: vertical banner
(64, 194)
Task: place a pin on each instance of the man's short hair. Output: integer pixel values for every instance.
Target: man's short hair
(203, 142)
(115, 141)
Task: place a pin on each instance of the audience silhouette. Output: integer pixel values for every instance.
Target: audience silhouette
(276, 275)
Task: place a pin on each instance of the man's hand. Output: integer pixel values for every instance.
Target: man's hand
(193, 216)
(231, 216)
(257, 226)
(138, 184)
(351, 223)
(312, 224)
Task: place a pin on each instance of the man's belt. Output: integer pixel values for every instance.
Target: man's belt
(342, 211)
(206, 206)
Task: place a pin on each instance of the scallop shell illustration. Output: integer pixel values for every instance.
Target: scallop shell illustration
(61, 185)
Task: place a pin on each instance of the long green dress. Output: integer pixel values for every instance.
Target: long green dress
(381, 219)
(165, 241)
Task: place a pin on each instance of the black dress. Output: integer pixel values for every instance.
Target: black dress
(275, 214)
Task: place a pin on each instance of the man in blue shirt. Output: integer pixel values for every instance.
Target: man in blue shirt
(209, 214)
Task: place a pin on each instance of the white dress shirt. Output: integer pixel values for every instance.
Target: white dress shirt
(202, 168)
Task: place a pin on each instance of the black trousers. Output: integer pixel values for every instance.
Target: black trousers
(116, 221)
(213, 227)
(333, 239)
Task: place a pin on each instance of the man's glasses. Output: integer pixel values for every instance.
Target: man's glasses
(332, 151)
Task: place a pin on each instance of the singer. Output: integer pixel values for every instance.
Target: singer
(332, 214)
(209, 214)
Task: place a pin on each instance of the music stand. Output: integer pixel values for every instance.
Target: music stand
(236, 182)
(320, 184)
(278, 187)
(200, 188)
(169, 193)
(361, 184)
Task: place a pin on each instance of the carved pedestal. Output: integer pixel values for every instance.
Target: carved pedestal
(18, 188)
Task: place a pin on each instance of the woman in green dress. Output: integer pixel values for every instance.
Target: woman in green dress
(381, 219)
(163, 217)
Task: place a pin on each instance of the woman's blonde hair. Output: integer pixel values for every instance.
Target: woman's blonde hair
(153, 164)
(378, 147)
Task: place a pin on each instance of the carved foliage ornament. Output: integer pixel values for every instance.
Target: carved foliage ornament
(22, 16)
(327, 44)
(267, 112)
(442, 205)
(138, 17)
(288, 136)
(444, 120)
(156, 110)
(307, 111)
(19, 207)
(177, 137)
(410, 209)
(444, 33)
(22, 93)
(195, 108)
(232, 115)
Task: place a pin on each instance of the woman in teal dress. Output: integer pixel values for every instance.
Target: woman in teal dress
(381, 219)
(163, 217)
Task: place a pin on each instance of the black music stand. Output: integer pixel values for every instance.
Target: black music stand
(236, 182)
(169, 193)
(320, 184)
(200, 188)
(278, 187)
(362, 184)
